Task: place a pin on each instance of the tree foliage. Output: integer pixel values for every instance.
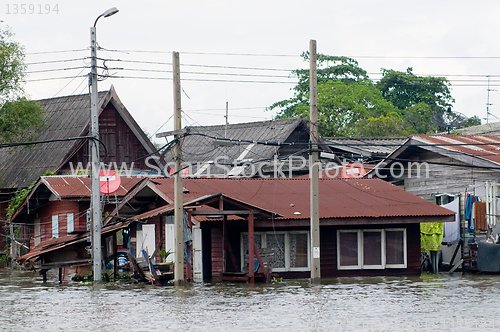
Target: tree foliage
(20, 118)
(405, 89)
(351, 104)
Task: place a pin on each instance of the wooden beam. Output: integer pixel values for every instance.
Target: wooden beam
(226, 212)
(251, 246)
(261, 263)
(224, 231)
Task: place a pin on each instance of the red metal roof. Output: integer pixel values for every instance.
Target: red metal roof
(482, 146)
(79, 186)
(339, 198)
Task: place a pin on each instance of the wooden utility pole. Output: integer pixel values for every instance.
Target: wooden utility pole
(178, 204)
(313, 164)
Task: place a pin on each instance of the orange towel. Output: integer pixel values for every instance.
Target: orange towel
(479, 213)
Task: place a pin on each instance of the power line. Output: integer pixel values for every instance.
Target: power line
(52, 70)
(53, 52)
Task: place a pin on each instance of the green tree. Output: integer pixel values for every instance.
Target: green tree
(405, 89)
(472, 121)
(385, 125)
(417, 119)
(20, 118)
(345, 96)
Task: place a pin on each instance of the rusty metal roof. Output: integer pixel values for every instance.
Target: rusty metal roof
(486, 147)
(79, 186)
(339, 198)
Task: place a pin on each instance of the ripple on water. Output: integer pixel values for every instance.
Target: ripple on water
(423, 303)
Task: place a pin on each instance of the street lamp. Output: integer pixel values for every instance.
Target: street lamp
(95, 202)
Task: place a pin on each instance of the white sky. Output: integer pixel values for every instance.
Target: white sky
(441, 38)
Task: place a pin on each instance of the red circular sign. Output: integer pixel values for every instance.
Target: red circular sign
(109, 182)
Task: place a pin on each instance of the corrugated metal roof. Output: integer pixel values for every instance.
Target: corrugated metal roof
(64, 117)
(492, 128)
(79, 186)
(339, 198)
(366, 146)
(198, 148)
(482, 146)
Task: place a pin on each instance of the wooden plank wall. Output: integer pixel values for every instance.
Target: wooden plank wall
(443, 178)
(121, 143)
(329, 253)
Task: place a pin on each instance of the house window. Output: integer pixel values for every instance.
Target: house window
(291, 249)
(55, 226)
(70, 223)
(37, 231)
(371, 249)
(395, 248)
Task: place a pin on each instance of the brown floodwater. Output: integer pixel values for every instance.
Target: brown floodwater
(441, 302)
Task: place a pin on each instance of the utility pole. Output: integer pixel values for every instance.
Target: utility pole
(313, 164)
(95, 199)
(178, 202)
(95, 190)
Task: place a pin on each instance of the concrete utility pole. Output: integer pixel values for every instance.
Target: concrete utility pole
(313, 164)
(178, 204)
(95, 197)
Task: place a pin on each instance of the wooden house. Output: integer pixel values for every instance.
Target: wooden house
(367, 227)
(67, 118)
(54, 217)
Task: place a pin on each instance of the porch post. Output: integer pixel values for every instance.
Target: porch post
(251, 247)
(224, 231)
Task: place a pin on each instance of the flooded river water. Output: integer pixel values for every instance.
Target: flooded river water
(423, 303)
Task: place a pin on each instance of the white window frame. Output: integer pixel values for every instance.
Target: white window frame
(349, 267)
(286, 248)
(405, 256)
(361, 265)
(70, 223)
(55, 226)
(287, 243)
(382, 250)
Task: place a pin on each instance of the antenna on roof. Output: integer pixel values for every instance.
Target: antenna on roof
(488, 101)
(227, 119)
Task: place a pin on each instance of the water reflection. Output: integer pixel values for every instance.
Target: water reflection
(424, 303)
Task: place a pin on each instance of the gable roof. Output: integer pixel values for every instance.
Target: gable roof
(198, 146)
(64, 117)
(477, 150)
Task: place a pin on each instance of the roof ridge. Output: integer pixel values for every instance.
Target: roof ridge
(250, 124)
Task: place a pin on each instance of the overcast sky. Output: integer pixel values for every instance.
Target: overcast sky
(455, 39)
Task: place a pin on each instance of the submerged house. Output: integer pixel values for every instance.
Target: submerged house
(367, 227)
(65, 119)
(55, 222)
(446, 168)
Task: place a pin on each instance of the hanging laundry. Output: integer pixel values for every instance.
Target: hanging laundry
(452, 229)
(469, 204)
(431, 236)
(479, 215)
